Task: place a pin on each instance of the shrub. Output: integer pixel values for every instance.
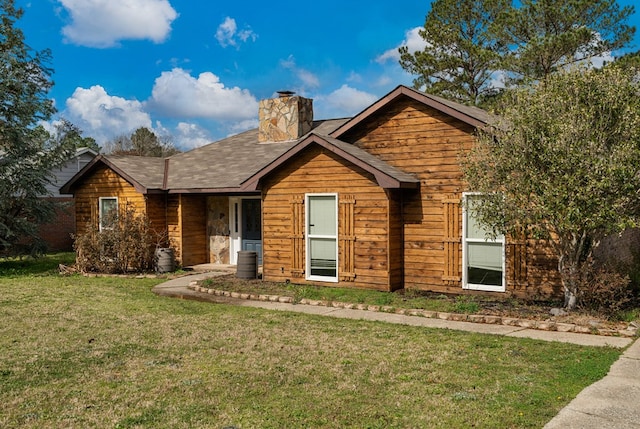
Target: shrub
(605, 291)
(128, 246)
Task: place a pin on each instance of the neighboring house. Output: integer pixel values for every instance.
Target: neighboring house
(58, 234)
(375, 201)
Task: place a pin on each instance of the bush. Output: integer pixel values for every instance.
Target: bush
(128, 246)
(605, 291)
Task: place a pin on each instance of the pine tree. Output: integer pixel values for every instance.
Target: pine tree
(27, 152)
(464, 49)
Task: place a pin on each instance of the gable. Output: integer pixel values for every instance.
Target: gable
(145, 174)
(386, 176)
(321, 170)
(469, 115)
(406, 120)
(418, 139)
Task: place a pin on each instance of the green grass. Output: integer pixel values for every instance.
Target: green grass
(81, 352)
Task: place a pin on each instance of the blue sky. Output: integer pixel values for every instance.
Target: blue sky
(195, 70)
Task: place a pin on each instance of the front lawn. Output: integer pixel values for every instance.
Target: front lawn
(80, 352)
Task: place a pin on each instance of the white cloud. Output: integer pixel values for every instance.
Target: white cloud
(227, 33)
(176, 93)
(103, 23)
(189, 136)
(309, 80)
(343, 102)
(103, 116)
(354, 77)
(413, 41)
(384, 81)
(245, 125)
(595, 61)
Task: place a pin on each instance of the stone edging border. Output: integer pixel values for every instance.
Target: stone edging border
(458, 317)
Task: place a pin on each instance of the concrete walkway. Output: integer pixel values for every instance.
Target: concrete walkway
(613, 402)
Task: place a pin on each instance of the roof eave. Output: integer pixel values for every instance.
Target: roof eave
(414, 94)
(224, 191)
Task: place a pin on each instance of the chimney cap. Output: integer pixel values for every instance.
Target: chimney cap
(285, 93)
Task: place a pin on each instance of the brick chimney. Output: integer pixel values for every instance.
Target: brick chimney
(287, 117)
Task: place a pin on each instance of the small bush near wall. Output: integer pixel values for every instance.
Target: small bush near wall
(128, 246)
(605, 291)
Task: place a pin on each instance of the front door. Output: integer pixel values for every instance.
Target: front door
(252, 227)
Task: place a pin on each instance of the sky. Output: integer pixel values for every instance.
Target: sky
(194, 71)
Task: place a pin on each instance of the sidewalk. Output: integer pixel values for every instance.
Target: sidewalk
(179, 288)
(612, 402)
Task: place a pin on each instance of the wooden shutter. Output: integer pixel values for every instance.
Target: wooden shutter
(95, 217)
(452, 240)
(346, 238)
(517, 261)
(297, 237)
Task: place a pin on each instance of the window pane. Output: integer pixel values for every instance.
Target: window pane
(322, 215)
(474, 228)
(484, 263)
(323, 256)
(108, 211)
(108, 205)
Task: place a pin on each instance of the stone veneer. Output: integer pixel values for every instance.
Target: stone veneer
(284, 118)
(218, 229)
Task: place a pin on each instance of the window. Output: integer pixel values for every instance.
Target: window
(322, 237)
(482, 257)
(108, 209)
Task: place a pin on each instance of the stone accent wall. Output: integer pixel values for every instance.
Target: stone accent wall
(284, 118)
(218, 230)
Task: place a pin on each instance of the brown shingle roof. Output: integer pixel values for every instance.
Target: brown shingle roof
(234, 164)
(222, 166)
(144, 173)
(145, 170)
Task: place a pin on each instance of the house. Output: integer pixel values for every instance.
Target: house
(375, 201)
(58, 233)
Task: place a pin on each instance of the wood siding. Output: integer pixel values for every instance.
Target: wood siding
(187, 228)
(157, 215)
(364, 226)
(421, 140)
(194, 229)
(104, 182)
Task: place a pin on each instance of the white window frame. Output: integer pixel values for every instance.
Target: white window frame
(101, 201)
(465, 252)
(309, 236)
